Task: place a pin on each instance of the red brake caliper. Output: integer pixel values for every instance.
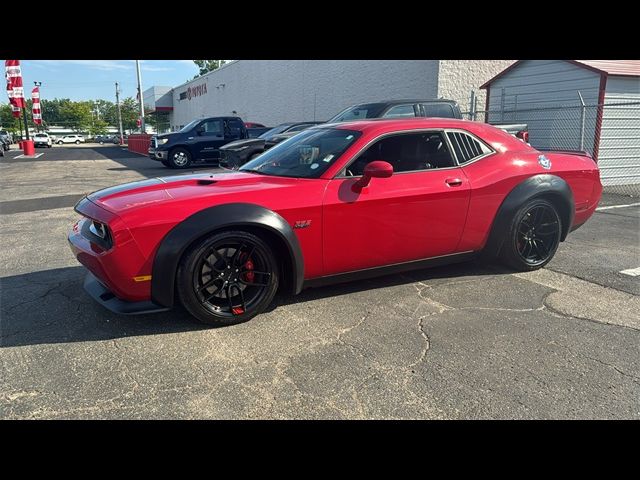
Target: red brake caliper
(249, 276)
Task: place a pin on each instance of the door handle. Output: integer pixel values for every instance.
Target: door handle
(453, 182)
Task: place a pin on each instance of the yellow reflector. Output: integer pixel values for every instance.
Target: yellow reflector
(142, 278)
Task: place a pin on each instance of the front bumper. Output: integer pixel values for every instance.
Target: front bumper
(108, 300)
(158, 155)
(118, 264)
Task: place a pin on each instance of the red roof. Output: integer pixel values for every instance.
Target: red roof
(614, 67)
(629, 68)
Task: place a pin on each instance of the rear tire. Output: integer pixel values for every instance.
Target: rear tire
(533, 236)
(77, 142)
(179, 158)
(227, 278)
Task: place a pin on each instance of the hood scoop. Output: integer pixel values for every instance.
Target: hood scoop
(206, 182)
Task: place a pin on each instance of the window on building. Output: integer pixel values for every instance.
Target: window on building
(406, 153)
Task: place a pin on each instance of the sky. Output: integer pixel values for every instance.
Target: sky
(95, 79)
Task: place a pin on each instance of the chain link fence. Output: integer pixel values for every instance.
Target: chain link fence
(610, 132)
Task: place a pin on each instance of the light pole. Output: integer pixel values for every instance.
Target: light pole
(142, 129)
(39, 84)
(119, 114)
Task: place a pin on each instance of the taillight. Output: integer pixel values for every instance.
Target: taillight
(523, 135)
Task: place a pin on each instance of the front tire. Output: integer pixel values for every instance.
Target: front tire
(227, 278)
(77, 142)
(179, 158)
(533, 237)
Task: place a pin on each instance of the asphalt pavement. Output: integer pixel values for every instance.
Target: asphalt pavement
(464, 341)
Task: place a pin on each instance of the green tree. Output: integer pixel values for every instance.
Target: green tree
(207, 66)
(76, 115)
(98, 127)
(7, 120)
(130, 113)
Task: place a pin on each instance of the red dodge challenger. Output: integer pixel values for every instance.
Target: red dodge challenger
(334, 203)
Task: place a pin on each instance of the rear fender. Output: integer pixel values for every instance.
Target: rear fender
(546, 186)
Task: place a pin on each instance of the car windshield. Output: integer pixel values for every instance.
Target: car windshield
(274, 131)
(189, 126)
(306, 155)
(359, 112)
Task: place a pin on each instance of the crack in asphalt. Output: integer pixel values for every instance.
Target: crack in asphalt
(423, 355)
(558, 314)
(634, 378)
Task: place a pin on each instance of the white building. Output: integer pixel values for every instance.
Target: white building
(549, 96)
(275, 91)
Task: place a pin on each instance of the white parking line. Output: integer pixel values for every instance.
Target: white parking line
(617, 206)
(632, 272)
(30, 156)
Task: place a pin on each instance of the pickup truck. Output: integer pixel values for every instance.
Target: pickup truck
(198, 141)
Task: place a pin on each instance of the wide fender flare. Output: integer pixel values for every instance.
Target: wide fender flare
(543, 185)
(230, 215)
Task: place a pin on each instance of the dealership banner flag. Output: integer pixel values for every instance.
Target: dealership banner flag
(15, 91)
(35, 98)
(15, 111)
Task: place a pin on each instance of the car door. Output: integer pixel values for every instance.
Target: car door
(417, 213)
(209, 137)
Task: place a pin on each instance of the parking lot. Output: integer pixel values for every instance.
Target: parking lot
(465, 341)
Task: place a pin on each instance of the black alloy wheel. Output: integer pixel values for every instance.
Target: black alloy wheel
(228, 278)
(534, 236)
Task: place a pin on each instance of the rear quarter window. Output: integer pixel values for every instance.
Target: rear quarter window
(467, 147)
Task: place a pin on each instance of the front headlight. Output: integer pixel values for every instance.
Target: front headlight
(99, 229)
(162, 141)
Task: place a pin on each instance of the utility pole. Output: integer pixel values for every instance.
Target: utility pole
(142, 127)
(119, 114)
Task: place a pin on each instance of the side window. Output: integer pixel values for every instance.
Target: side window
(212, 128)
(406, 153)
(233, 128)
(466, 147)
(298, 128)
(441, 110)
(400, 111)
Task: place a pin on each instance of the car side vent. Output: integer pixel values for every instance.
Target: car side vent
(466, 147)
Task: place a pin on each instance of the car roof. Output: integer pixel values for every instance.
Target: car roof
(389, 103)
(377, 126)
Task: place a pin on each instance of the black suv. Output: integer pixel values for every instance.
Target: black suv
(400, 109)
(198, 141)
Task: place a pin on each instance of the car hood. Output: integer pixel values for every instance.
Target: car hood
(167, 135)
(186, 193)
(246, 142)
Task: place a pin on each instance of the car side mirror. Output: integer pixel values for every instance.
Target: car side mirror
(200, 130)
(376, 169)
